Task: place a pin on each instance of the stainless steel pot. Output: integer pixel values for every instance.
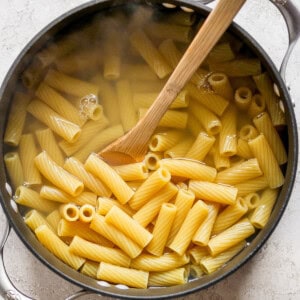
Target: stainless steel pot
(291, 12)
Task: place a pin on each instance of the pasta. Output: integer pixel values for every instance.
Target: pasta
(168, 278)
(209, 191)
(57, 195)
(75, 167)
(30, 198)
(59, 104)
(88, 131)
(221, 85)
(131, 248)
(64, 128)
(77, 228)
(128, 226)
(48, 143)
(125, 103)
(69, 211)
(212, 173)
(57, 175)
(194, 218)
(267, 161)
(27, 152)
(110, 177)
(116, 274)
(70, 85)
(230, 237)
(58, 247)
(98, 253)
(162, 229)
(16, 119)
(150, 54)
(14, 168)
(151, 186)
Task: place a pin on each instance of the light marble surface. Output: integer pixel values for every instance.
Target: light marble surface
(274, 273)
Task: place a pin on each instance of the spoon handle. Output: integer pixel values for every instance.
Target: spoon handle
(213, 28)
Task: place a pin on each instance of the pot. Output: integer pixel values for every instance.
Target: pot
(292, 15)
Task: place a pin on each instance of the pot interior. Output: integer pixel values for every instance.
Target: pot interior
(83, 19)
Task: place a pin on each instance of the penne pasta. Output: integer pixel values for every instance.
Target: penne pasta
(162, 229)
(98, 253)
(240, 172)
(265, 87)
(114, 235)
(130, 227)
(69, 211)
(193, 220)
(57, 195)
(128, 276)
(214, 192)
(221, 85)
(131, 172)
(125, 102)
(47, 142)
(262, 212)
(155, 182)
(86, 213)
(57, 175)
(210, 122)
(152, 263)
(209, 264)
(77, 228)
(201, 146)
(150, 54)
(99, 141)
(59, 104)
(228, 134)
(62, 127)
(149, 211)
(168, 278)
(229, 216)
(171, 118)
(88, 132)
(27, 152)
(55, 245)
(14, 168)
(75, 167)
(70, 85)
(183, 202)
(110, 177)
(264, 124)
(30, 198)
(267, 161)
(189, 169)
(204, 231)
(230, 237)
(16, 119)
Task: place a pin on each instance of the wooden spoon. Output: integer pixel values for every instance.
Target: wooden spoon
(133, 146)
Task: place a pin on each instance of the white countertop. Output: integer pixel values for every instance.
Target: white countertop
(274, 273)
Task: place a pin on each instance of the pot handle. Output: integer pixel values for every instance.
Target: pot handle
(290, 10)
(7, 290)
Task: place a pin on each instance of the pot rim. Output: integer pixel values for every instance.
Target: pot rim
(67, 273)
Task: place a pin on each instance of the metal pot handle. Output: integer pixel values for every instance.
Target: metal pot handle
(7, 290)
(290, 10)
